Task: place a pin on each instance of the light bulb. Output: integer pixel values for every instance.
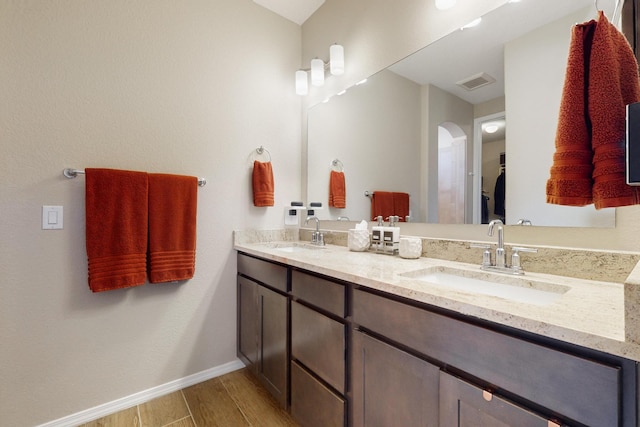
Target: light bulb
(336, 55)
(317, 72)
(302, 85)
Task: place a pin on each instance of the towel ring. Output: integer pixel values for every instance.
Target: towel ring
(261, 150)
(336, 163)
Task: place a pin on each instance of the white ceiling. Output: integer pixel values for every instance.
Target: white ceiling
(294, 10)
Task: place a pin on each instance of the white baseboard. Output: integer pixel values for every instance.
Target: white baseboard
(143, 396)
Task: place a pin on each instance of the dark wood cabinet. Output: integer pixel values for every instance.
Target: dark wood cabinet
(391, 387)
(263, 325)
(334, 353)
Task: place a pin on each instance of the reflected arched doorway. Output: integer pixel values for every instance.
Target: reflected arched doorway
(452, 175)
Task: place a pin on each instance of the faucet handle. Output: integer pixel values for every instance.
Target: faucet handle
(486, 255)
(515, 258)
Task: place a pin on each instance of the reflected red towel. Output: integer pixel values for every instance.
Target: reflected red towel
(382, 204)
(263, 184)
(337, 190)
(172, 227)
(401, 205)
(116, 228)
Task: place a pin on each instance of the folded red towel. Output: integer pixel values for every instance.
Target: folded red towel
(337, 190)
(172, 227)
(116, 228)
(263, 184)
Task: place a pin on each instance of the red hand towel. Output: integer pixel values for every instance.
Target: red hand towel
(570, 182)
(613, 83)
(337, 190)
(263, 185)
(116, 228)
(401, 205)
(172, 227)
(382, 204)
(601, 78)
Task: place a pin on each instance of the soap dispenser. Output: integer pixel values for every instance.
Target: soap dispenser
(391, 235)
(377, 232)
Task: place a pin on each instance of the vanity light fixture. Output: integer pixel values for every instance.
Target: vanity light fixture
(318, 66)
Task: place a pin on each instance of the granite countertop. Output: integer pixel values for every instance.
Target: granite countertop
(588, 313)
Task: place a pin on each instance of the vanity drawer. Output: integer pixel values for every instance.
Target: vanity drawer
(318, 342)
(270, 274)
(578, 388)
(322, 293)
(313, 404)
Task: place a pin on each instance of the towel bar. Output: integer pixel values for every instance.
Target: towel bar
(72, 173)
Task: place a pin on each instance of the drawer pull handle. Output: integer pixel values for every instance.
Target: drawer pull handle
(552, 424)
(487, 395)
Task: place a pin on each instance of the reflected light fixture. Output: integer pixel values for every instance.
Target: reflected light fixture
(318, 66)
(317, 72)
(491, 128)
(445, 4)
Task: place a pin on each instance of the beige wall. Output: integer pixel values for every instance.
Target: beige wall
(184, 87)
(377, 33)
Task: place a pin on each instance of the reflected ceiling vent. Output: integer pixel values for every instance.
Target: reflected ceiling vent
(476, 81)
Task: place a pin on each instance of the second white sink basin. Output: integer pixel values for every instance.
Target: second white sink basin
(513, 288)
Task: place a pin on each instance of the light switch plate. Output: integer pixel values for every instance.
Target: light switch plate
(52, 217)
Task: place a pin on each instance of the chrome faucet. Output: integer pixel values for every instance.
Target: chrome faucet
(317, 238)
(500, 264)
(501, 256)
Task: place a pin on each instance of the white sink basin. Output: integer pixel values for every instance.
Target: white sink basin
(293, 246)
(513, 288)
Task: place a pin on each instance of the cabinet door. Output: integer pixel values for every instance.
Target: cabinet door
(248, 322)
(465, 405)
(391, 387)
(273, 354)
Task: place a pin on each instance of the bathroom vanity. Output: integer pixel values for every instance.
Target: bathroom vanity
(361, 339)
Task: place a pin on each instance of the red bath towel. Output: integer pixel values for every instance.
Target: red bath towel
(172, 227)
(337, 190)
(116, 228)
(401, 205)
(263, 184)
(601, 78)
(382, 204)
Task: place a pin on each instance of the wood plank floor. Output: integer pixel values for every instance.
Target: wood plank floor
(232, 400)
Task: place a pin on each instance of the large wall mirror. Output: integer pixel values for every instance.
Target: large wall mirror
(466, 125)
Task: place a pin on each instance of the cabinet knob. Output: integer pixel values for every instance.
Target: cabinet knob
(487, 395)
(552, 424)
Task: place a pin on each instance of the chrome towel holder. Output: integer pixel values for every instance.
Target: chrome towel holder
(72, 173)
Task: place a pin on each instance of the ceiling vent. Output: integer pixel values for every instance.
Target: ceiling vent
(476, 81)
